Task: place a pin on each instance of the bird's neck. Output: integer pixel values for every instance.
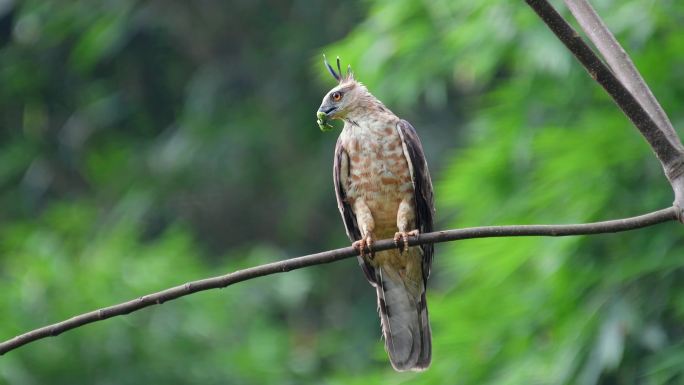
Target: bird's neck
(368, 113)
(370, 123)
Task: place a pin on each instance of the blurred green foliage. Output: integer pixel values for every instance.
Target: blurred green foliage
(147, 143)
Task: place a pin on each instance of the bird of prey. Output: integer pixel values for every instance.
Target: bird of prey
(384, 190)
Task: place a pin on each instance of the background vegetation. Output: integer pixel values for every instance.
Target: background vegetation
(147, 143)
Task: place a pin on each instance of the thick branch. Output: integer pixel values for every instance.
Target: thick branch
(668, 150)
(160, 297)
(622, 65)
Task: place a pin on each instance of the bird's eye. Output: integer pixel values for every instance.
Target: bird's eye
(336, 96)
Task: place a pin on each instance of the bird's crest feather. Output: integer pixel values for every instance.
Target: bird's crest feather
(338, 75)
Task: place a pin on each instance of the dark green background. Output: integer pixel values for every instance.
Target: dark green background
(144, 144)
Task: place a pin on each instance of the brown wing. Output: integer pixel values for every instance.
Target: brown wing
(422, 186)
(340, 177)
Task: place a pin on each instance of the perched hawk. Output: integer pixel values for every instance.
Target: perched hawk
(384, 190)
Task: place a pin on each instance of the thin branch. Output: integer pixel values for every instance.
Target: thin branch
(160, 297)
(668, 150)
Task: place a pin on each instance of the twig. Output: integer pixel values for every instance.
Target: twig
(668, 150)
(160, 297)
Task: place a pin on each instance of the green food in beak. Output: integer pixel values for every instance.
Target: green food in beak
(322, 120)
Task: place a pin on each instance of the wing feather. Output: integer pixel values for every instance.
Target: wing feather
(422, 186)
(340, 180)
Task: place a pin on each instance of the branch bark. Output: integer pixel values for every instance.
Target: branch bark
(160, 297)
(629, 92)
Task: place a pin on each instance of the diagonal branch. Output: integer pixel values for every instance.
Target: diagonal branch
(160, 297)
(621, 64)
(627, 93)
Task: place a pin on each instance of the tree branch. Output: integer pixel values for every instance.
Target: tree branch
(160, 297)
(621, 64)
(664, 142)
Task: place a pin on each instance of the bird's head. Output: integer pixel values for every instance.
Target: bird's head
(343, 100)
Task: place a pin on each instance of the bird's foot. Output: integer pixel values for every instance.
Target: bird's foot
(365, 243)
(403, 236)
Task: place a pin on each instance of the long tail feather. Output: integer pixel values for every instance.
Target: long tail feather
(405, 323)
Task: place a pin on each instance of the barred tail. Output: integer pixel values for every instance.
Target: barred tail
(405, 323)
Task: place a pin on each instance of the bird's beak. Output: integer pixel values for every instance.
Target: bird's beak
(323, 115)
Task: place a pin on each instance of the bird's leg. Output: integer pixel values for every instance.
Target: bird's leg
(365, 243)
(405, 217)
(403, 236)
(364, 219)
